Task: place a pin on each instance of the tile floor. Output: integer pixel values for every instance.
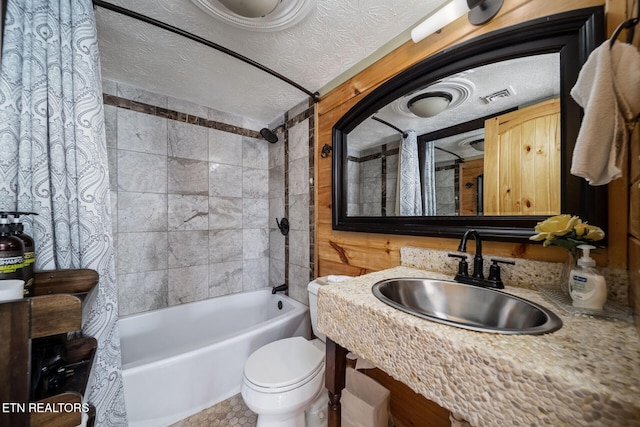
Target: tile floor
(229, 413)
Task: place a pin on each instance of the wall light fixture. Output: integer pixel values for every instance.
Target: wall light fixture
(480, 12)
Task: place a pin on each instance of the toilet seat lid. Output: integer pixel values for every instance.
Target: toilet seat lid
(284, 362)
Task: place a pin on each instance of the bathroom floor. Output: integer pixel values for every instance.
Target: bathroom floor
(229, 413)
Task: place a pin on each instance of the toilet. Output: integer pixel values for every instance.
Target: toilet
(283, 381)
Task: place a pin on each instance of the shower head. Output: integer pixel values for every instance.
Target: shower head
(270, 135)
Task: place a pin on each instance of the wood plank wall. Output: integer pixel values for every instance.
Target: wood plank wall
(358, 253)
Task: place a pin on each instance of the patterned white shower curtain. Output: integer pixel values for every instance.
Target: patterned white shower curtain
(53, 161)
(409, 197)
(430, 179)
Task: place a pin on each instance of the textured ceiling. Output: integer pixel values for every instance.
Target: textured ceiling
(334, 37)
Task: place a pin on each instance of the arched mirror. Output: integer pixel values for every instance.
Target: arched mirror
(479, 135)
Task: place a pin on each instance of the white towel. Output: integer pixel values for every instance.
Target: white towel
(608, 88)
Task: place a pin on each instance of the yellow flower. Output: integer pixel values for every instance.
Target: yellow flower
(594, 233)
(567, 231)
(555, 226)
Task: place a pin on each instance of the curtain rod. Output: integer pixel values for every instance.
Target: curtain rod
(404, 135)
(314, 95)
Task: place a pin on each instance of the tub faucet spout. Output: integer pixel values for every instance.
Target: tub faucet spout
(281, 288)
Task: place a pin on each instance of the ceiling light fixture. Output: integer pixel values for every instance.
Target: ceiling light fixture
(429, 104)
(251, 8)
(478, 144)
(480, 12)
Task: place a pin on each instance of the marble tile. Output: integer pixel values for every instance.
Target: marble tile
(225, 180)
(109, 87)
(225, 245)
(187, 107)
(224, 117)
(187, 141)
(112, 158)
(255, 213)
(255, 274)
(276, 182)
(300, 108)
(276, 155)
(276, 272)
(255, 153)
(299, 277)
(299, 141)
(299, 212)
(138, 252)
(276, 210)
(142, 291)
(225, 147)
(111, 125)
(188, 248)
(299, 176)
(225, 213)
(188, 212)
(141, 132)
(225, 278)
(186, 176)
(138, 212)
(255, 243)
(114, 211)
(141, 95)
(276, 245)
(298, 289)
(248, 123)
(255, 183)
(143, 173)
(188, 284)
(299, 248)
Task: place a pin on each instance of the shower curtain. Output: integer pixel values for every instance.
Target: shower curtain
(429, 178)
(53, 161)
(409, 199)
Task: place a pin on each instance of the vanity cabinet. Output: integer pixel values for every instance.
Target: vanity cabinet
(29, 329)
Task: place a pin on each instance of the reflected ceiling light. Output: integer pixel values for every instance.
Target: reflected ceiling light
(478, 144)
(429, 104)
(480, 12)
(251, 8)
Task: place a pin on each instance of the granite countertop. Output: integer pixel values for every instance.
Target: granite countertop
(586, 373)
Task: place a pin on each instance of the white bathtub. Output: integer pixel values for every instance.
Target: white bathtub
(180, 360)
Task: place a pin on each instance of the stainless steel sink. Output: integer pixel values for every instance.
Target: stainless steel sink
(466, 306)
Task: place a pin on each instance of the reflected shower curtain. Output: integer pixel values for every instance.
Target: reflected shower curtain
(429, 178)
(409, 194)
(53, 161)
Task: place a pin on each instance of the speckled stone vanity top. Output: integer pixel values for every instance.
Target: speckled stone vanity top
(587, 373)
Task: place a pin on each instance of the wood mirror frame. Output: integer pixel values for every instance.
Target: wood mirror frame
(574, 35)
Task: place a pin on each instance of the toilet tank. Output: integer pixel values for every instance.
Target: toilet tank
(313, 288)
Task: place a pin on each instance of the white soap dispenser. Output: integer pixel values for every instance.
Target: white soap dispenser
(587, 287)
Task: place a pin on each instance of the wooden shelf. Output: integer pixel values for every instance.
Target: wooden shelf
(31, 323)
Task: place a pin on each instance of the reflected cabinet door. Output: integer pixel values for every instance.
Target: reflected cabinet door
(522, 161)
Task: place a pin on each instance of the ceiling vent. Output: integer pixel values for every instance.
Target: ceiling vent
(504, 93)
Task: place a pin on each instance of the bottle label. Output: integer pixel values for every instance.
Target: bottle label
(29, 258)
(11, 264)
(580, 288)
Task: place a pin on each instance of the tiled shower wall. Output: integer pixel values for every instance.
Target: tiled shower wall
(291, 196)
(191, 201)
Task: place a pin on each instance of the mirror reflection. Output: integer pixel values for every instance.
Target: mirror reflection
(485, 141)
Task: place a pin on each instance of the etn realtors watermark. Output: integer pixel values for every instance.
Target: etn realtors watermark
(33, 407)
